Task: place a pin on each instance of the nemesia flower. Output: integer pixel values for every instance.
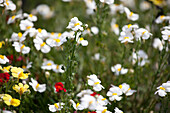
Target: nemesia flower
(91, 6)
(59, 87)
(114, 8)
(129, 28)
(142, 33)
(58, 68)
(8, 100)
(36, 86)
(19, 73)
(166, 34)
(141, 56)
(25, 25)
(3, 59)
(13, 18)
(47, 65)
(107, 1)
(89, 102)
(5, 69)
(114, 27)
(18, 37)
(4, 77)
(118, 69)
(57, 41)
(95, 30)
(41, 33)
(9, 5)
(114, 93)
(84, 92)
(163, 89)
(30, 17)
(20, 88)
(75, 24)
(130, 15)
(5, 111)
(126, 37)
(40, 45)
(158, 44)
(82, 41)
(162, 18)
(95, 82)
(77, 106)
(101, 109)
(19, 47)
(117, 110)
(125, 88)
(56, 107)
(101, 100)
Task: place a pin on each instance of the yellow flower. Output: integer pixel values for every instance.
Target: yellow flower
(8, 100)
(19, 73)
(2, 42)
(20, 88)
(159, 2)
(5, 69)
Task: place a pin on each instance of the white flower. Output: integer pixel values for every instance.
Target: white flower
(126, 37)
(9, 5)
(18, 37)
(3, 59)
(36, 86)
(114, 93)
(101, 100)
(91, 6)
(125, 88)
(25, 25)
(118, 69)
(30, 17)
(19, 47)
(115, 27)
(84, 92)
(57, 41)
(141, 56)
(40, 45)
(56, 107)
(5, 111)
(41, 33)
(163, 89)
(75, 24)
(77, 106)
(129, 28)
(107, 1)
(166, 35)
(101, 109)
(47, 65)
(89, 102)
(117, 110)
(142, 33)
(130, 15)
(114, 8)
(82, 41)
(158, 44)
(13, 18)
(58, 68)
(95, 30)
(95, 82)
(162, 18)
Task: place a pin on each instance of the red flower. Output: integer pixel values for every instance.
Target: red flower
(11, 58)
(59, 87)
(4, 77)
(94, 94)
(92, 112)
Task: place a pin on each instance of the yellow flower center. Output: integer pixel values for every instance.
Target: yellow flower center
(125, 38)
(13, 17)
(162, 88)
(168, 35)
(43, 44)
(57, 40)
(129, 89)
(120, 86)
(52, 33)
(59, 34)
(90, 102)
(49, 64)
(104, 99)
(143, 32)
(116, 26)
(37, 86)
(76, 24)
(81, 39)
(114, 94)
(119, 69)
(22, 46)
(56, 105)
(131, 13)
(19, 34)
(30, 15)
(23, 67)
(104, 111)
(21, 91)
(28, 27)
(129, 25)
(77, 105)
(57, 67)
(1, 56)
(96, 83)
(162, 16)
(7, 3)
(39, 30)
(20, 75)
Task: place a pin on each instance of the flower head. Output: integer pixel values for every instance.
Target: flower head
(36, 86)
(59, 87)
(19, 73)
(8, 100)
(20, 88)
